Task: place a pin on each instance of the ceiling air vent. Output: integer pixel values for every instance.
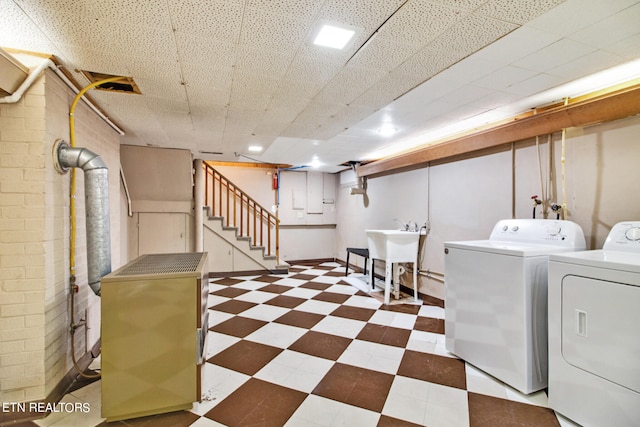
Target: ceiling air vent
(126, 85)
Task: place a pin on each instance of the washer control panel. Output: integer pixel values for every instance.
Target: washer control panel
(624, 236)
(539, 231)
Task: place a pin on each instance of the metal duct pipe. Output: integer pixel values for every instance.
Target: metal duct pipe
(96, 196)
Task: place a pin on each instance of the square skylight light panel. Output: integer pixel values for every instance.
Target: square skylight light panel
(334, 36)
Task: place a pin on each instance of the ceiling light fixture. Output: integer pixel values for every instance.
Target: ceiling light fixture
(333, 36)
(315, 162)
(255, 148)
(387, 130)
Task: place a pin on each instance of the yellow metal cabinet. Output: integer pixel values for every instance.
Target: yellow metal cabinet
(154, 321)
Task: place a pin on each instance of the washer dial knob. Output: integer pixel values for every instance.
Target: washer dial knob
(633, 234)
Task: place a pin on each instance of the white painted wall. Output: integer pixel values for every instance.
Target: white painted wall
(34, 239)
(463, 198)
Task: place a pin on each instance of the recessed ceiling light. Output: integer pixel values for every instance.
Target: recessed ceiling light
(333, 36)
(315, 162)
(255, 148)
(387, 130)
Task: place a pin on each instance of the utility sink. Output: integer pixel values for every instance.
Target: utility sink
(393, 246)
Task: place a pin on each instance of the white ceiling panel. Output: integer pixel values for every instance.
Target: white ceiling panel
(419, 22)
(218, 20)
(515, 11)
(611, 30)
(218, 75)
(535, 84)
(558, 53)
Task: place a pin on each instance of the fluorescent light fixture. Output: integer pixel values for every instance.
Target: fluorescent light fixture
(255, 148)
(333, 36)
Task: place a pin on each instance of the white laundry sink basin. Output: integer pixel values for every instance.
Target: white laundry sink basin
(393, 245)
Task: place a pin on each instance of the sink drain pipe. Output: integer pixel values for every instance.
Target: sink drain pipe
(96, 194)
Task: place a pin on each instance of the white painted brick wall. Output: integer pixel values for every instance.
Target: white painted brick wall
(34, 230)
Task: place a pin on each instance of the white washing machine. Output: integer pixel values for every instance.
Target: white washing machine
(594, 331)
(496, 298)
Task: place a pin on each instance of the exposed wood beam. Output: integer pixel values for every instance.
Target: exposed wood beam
(599, 107)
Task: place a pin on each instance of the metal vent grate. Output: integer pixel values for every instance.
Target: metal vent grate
(163, 264)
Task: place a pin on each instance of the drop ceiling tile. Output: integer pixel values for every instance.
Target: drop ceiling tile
(382, 53)
(294, 88)
(574, 15)
(504, 77)
(150, 13)
(263, 62)
(428, 62)
(156, 88)
(158, 70)
(164, 106)
(88, 59)
(349, 84)
(418, 22)
(300, 9)
(270, 31)
(366, 14)
(519, 43)
(322, 109)
(142, 43)
(515, 11)
(270, 128)
(534, 85)
(627, 48)
(220, 20)
(194, 49)
(202, 97)
(72, 26)
(385, 91)
(205, 76)
(287, 106)
(465, 95)
(612, 29)
(591, 63)
(556, 54)
(295, 131)
(249, 83)
(17, 31)
(471, 34)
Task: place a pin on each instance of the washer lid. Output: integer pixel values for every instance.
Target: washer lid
(614, 260)
(508, 248)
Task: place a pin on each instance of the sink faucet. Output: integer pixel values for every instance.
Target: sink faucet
(405, 227)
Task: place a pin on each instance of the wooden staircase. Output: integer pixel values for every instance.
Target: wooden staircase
(236, 218)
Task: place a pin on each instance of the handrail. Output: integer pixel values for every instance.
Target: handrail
(238, 209)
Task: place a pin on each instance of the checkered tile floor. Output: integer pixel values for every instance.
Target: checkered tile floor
(308, 349)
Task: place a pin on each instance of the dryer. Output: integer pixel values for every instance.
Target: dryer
(594, 331)
(496, 298)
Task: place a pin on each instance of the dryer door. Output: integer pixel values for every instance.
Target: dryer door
(601, 329)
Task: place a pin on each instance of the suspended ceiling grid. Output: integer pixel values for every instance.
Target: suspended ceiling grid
(218, 76)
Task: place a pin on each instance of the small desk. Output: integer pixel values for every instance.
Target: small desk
(363, 252)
